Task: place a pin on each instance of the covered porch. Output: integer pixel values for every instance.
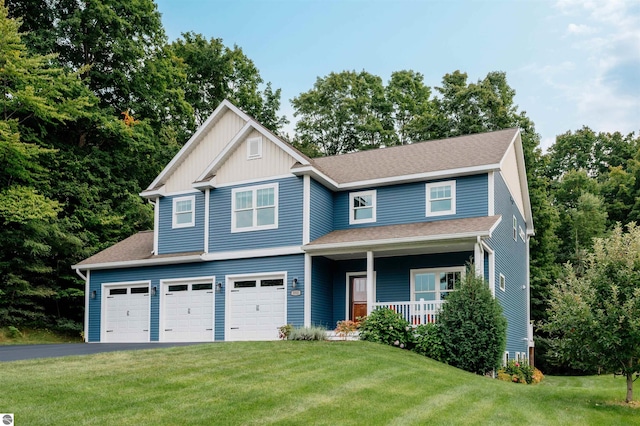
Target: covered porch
(409, 268)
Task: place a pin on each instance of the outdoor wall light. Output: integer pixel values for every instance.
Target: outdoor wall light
(154, 290)
(218, 287)
(92, 295)
(294, 283)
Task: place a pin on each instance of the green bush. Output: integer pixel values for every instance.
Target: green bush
(387, 326)
(308, 333)
(427, 341)
(13, 332)
(472, 327)
(520, 372)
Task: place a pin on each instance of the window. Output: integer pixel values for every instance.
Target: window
(441, 198)
(254, 208)
(434, 284)
(362, 207)
(183, 215)
(515, 229)
(505, 358)
(521, 232)
(254, 148)
(503, 282)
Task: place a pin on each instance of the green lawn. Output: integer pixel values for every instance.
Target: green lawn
(292, 383)
(30, 337)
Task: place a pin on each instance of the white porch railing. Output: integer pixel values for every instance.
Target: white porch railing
(416, 313)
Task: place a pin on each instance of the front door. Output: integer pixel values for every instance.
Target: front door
(358, 294)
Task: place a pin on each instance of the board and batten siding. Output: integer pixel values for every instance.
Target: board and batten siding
(406, 203)
(205, 151)
(292, 264)
(273, 162)
(510, 261)
(288, 233)
(180, 240)
(322, 293)
(321, 214)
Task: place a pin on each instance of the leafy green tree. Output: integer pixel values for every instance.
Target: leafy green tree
(472, 328)
(595, 317)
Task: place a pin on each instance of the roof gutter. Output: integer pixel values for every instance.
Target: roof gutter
(140, 262)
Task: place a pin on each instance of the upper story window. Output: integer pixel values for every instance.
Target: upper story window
(515, 229)
(362, 207)
(254, 148)
(434, 284)
(183, 212)
(254, 208)
(441, 198)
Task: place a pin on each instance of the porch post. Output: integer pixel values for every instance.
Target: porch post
(307, 289)
(370, 298)
(478, 258)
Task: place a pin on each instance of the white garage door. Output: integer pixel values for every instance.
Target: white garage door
(126, 311)
(257, 307)
(188, 312)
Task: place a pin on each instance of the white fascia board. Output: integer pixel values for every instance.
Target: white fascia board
(246, 254)
(378, 244)
(495, 225)
(153, 194)
(317, 175)
(227, 150)
(219, 111)
(202, 186)
(142, 262)
(516, 142)
(285, 147)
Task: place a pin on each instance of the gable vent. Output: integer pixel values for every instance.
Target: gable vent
(254, 148)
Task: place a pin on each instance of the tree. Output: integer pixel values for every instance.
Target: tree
(472, 328)
(595, 317)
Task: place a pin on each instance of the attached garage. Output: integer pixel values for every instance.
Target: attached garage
(256, 307)
(187, 313)
(126, 312)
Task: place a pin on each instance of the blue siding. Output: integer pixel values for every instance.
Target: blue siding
(322, 293)
(511, 261)
(293, 265)
(321, 216)
(180, 239)
(288, 233)
(406, 203)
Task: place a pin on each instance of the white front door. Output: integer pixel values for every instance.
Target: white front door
(257, 308)
(126, 317)
(188, 312)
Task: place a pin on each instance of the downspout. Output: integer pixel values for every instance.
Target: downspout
(86, 303)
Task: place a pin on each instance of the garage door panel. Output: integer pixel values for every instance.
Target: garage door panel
(188, 313)
(126, 314)
(256, 312)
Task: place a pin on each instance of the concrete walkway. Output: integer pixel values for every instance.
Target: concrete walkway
(22, 352)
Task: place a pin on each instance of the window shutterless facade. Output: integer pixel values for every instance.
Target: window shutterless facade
(434, 284)
(362, 207)
(254, 208)
(183, 212)
(441, 198)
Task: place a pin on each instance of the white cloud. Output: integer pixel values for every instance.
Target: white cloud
(579, 29)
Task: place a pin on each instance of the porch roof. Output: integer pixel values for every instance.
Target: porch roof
(457, 234)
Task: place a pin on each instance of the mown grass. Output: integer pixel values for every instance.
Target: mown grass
(33, 336)
(292, 382)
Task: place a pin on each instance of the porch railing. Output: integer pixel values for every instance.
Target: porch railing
(416, 313)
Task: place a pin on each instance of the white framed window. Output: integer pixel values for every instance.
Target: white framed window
(521, 232)
(441, 198)
(434, 284)
(183, 212)
(503, 283)
(505, 358)
(254, 208)
(254, 148)
(362, 207)
(515, 228)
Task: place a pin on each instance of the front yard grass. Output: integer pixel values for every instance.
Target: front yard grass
(35, 336)
(292, 382)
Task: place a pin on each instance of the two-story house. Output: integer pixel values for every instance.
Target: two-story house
(250, 234)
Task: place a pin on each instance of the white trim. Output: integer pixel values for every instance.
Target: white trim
(492, 268)
(521, 233)
(452, 210)
(478, 258)
(491, 184)
(352, 208)
(207, 199)
(182, 192)
(257, 142)
(530, 341)
(156, 224)
(370, 287)
(282, 145)
(252, 181)
(140, 262)
(174, 213)
(502, 283)
(309, 170)
(505, 358)
(226, 151)
(156, 193)
(307, 289)
(515, 228)
(103, 300)
(254, 208)
(306, 209)
(87, 284)
(187, 280)
(444, 269)
(347, 293)
(247, 254)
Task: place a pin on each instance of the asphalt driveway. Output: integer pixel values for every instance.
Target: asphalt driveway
(21, 352)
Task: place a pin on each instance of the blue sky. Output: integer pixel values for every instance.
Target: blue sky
(571, 62)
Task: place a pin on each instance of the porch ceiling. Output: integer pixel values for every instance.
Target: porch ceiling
(395, 240)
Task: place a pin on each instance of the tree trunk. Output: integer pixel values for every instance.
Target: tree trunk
(629, 386)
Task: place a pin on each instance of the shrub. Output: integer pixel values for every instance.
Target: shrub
(346, 328)
(284, 331)
(13, 332)
(428, 342)
(517, 372)
(472, 327)
(386, 326)
(308, 333)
